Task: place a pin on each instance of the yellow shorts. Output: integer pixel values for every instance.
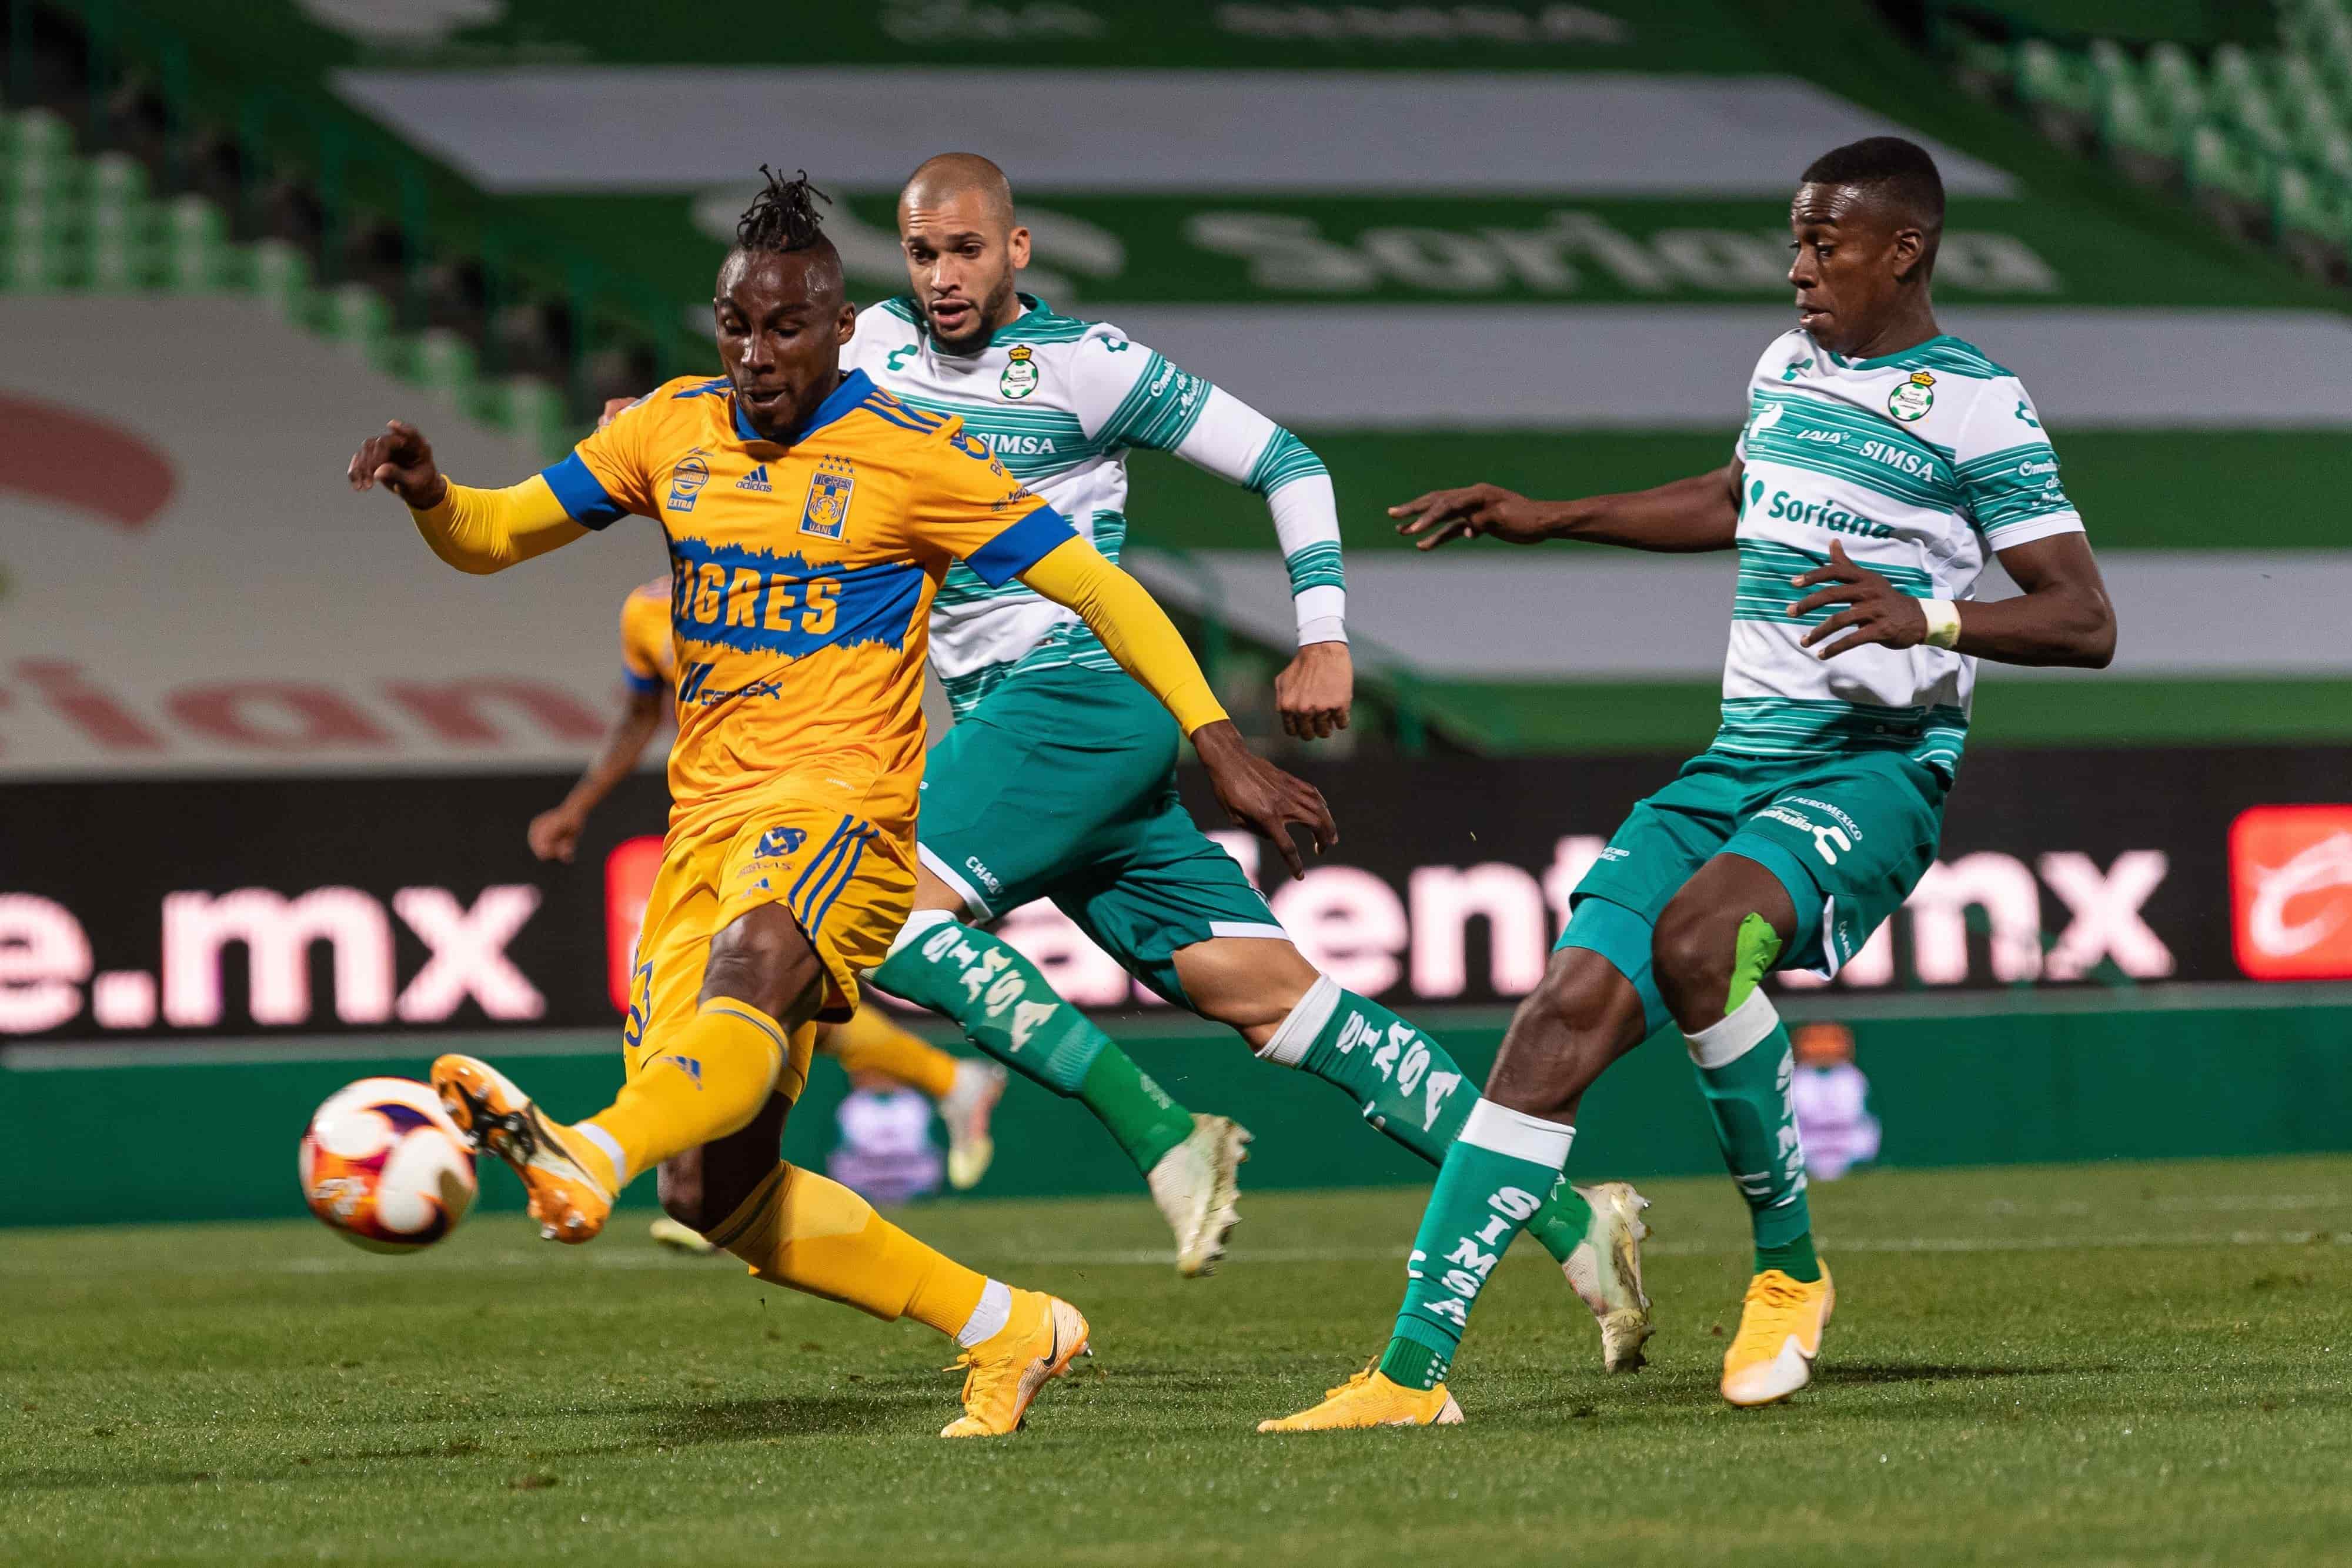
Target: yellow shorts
(849, 883)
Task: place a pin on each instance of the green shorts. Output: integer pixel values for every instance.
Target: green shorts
(1847, 836)
(1062, 785)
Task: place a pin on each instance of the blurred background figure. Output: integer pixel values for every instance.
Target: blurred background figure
(1833, 1100)
(886, 1153)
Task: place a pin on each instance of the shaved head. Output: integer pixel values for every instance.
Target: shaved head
(962, 247)
(959, 176)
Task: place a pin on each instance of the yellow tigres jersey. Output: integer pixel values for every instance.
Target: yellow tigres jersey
(648, 657)
(802, 575)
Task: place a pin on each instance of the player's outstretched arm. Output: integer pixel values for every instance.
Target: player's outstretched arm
(1255, 793)
(2064, 616)
(1700, 513)
(554, 834)
(476, 531)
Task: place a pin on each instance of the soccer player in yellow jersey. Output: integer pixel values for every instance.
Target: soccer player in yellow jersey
(966, 1091)
(810, 519)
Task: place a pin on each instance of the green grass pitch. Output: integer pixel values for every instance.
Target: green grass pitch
(2123, 1363)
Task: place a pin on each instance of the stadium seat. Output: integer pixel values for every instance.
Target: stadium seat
(2058, 91)
(2314, 224)
(281, 275)
(2143, 146)
(2227, 182)
(2175, 83)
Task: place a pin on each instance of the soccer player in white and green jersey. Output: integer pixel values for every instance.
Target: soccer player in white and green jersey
(1058, 780)
(1882, 464)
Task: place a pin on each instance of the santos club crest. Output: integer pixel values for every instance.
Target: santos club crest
(1020, 377)
(1913, 398)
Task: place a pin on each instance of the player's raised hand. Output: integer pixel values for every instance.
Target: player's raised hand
(400, 460)
(1315, 690)
(1877, 612)
(554, 834)
(1442, 516)
(1260, 797)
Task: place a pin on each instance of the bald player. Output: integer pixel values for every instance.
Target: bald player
(1058, 780)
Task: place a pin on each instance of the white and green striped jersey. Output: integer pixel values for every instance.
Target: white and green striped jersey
(1061, 401)
(1925, 463)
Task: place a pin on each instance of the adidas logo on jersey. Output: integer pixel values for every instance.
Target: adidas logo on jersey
(757, 479)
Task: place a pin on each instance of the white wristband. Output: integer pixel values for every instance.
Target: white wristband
(1943, 622)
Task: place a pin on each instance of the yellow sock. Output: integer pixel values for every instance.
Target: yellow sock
(870, 1042)
(705, 1081)
(800, 1230)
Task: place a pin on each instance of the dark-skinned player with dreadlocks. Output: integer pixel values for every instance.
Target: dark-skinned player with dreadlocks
(810, 518)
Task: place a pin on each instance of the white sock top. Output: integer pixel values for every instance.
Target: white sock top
(989, 1317)
(1287, 1048)
(1739, 1031)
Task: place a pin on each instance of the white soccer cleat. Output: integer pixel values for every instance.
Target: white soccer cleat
(966, 1110)
(1197, 1186)
(1605, 1271)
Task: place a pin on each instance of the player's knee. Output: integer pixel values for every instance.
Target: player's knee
(762, 959)
(1570, 1000)
(1691, 952)
(679, 1185)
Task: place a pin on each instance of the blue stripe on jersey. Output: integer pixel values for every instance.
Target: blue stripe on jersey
(825, 851)
(1020, 546)
(897, 413)
(756, 602)
(585, 499)
(644, 685)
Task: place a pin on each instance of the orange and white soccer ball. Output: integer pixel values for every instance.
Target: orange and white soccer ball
(384, 1167)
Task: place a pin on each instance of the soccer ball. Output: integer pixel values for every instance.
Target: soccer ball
(384, 1167)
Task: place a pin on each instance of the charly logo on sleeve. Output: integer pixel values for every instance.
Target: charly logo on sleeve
(1913, 398)
(1020, 377)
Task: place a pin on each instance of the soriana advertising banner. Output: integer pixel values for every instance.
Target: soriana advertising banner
(212, 907)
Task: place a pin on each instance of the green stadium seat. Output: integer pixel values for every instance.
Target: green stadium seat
(2143, 146)
(533, 411)
(443, 362)
(115, 179)
(2313, 218)
(2058, 91)
(281, 275)
(196, 244)
(119, 261)
(2176, 85)
(2049, 75)
(359, 316)
(2227, 182)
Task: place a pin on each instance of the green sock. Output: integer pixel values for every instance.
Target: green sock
(1490, 1185)
(1138, 1113)
(1008, 1011)
(1743, 1067)
(1410, 1088)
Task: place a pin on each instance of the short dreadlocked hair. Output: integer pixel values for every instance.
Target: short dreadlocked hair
(783, 217)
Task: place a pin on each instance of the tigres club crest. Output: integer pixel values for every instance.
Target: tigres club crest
(1913, 398)
(1020, 377)
(827, 516)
